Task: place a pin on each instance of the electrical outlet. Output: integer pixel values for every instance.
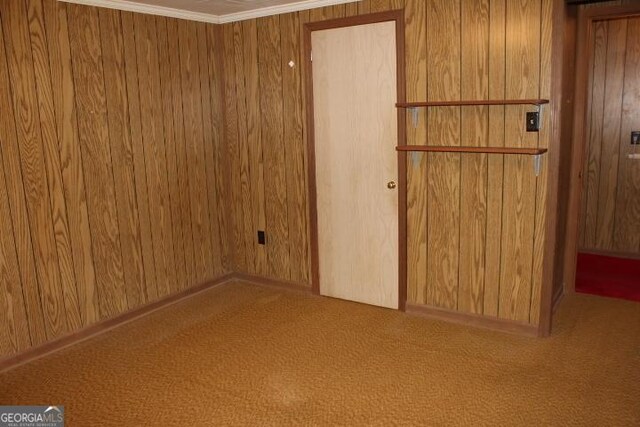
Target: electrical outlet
(635, 137)
(533, 121)
(261, 238)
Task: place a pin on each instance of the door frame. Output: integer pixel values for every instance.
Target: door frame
(581, 113)
(374, 18)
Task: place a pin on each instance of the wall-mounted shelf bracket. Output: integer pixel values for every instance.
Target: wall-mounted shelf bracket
(537, 164)
(540, 115)
(414, 116)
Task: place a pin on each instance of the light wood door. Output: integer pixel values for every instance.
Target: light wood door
(354, 90)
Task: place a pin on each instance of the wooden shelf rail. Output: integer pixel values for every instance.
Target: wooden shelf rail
(535, 152)
(486, 150)
(537, 102)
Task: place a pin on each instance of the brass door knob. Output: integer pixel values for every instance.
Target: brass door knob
(391, 185)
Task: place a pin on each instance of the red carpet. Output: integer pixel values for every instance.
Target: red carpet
(608, 276)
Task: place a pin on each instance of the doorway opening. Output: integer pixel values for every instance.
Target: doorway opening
(603, 233)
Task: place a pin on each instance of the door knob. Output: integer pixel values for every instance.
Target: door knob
(391, 185)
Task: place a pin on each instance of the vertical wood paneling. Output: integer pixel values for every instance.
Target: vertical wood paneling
(522, 81)
(17, 204)
(293, 148)
(231, 134)
(612, 184)
(170, 139)
(475, 223)
(99, 183)
(443, 177)
(96, 154)
(137, 146)
(416, 72)
(181, 196)
(473, 169)
(592, 170)
(14, 334)
(254, 135)
(246, 219)
(544, 138)
(626, 237)
(218, 151)
(70, 156)
(614, 88)
(495, 166)
(33, 163)
(211, 196)
(122, 155)
(270, 59)
(44, 91)
(153, 138)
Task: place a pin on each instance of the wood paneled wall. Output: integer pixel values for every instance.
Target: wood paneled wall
(610, 214)
(475, 222)
(112, 165)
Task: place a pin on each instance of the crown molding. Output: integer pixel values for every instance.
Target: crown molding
(280, 9)
(132, 6)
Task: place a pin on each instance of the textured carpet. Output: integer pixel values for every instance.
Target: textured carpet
(608, 276)
(246, 355)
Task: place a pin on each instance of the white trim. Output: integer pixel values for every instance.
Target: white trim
(132, 6)
(279, 9)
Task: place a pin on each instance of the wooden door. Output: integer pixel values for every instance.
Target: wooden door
(354, 92)
(611, 189)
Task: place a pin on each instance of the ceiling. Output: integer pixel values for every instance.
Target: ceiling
(217, 7)
(216, 11)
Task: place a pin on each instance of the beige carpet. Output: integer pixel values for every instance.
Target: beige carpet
(246, 355)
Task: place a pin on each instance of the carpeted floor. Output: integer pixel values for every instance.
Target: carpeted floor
(246, 355)
(608, 276)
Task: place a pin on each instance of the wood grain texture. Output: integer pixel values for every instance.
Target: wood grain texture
(354, 263)
(122, 155)
(137, 147)
(219, 152)
(173, 132)
(270, 57)
(594, 138)
(610, 151)
(70, 156)
(611, 187)
(254, 135)
(536, 309)
(33, 163)
(182, 192)
(294, 152)
(93, 134)
(211, 168)
(14, 335)
(416, 70)
(96, 187)
(231, 135)
(153, 137)
(482, 215)
(522, 81)
(626, 235)
(474, 126)
(44, 91)
(443, 177)
(245, 220)
(17, 204)
(495, 164)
